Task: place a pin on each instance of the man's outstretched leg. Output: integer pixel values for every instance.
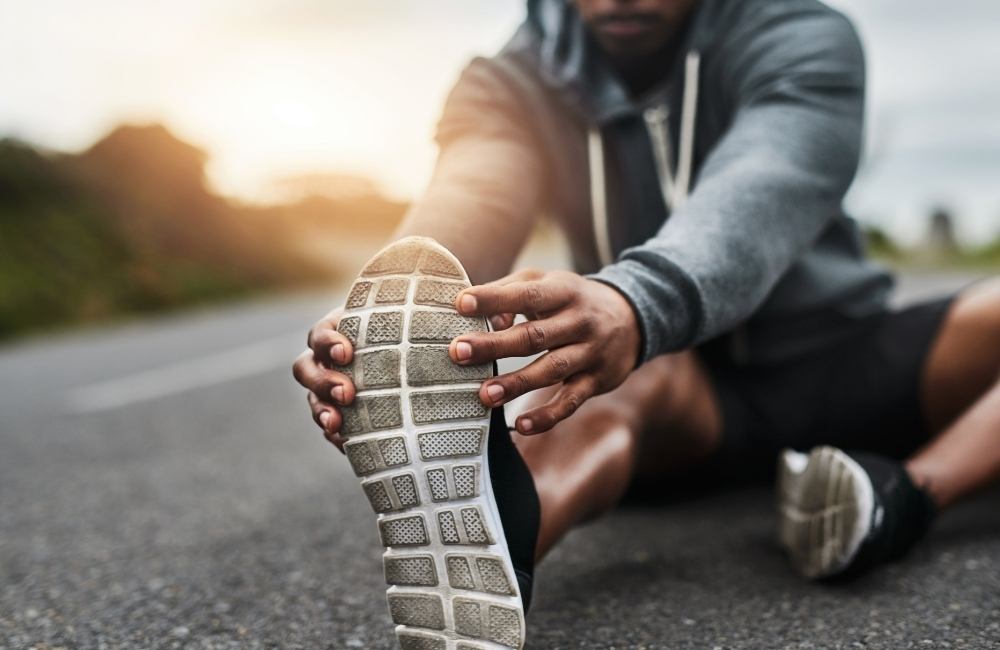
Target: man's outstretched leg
(458, 510)
(843, 512)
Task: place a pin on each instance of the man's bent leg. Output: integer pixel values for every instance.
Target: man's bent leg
(877, 507)
(664, 417)
(961, 399)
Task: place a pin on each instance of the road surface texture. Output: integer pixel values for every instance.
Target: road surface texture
(162, 486)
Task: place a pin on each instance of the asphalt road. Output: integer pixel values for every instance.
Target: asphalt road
(161, 485)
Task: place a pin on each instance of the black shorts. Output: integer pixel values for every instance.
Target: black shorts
(862, 392)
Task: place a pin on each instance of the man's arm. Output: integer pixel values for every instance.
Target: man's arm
(483, 198)
(480, 204)
(765, 193)
(763, 196)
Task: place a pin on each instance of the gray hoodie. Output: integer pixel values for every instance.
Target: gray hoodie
(719, 213)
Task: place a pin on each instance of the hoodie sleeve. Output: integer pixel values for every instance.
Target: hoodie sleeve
(766, 190)
(483, 197)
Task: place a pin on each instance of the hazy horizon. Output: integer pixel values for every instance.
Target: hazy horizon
(276, 89)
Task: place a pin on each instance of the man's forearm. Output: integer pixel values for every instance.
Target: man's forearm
(481, 205)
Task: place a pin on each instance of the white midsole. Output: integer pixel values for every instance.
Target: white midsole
(819, 493)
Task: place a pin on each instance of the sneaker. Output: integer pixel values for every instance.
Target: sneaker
(841, 514)
(457, 509)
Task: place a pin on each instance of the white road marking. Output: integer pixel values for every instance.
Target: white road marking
(219, 368)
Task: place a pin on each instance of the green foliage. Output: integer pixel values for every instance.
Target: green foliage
(128, 228)
(983, 257)
(880, 244)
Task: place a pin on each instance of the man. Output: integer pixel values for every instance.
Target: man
(695, 154)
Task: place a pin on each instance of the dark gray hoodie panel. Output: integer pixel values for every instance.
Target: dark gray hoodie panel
(760, 259)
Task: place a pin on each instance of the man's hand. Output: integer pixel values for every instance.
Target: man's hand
(327, 389)
(587, 329)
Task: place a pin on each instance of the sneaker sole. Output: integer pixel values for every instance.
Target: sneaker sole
(416, 435)
(825, 503)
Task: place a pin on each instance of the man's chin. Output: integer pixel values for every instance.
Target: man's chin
(629, 48)
(624, 50)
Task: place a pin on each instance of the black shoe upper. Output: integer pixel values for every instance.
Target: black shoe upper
(517, 501)
(901, 515)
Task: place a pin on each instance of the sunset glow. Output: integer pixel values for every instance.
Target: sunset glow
(269, 89)
(274, 89)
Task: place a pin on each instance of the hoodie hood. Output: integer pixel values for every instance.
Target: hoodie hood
(571, 62)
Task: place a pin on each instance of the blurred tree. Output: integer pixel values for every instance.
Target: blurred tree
(130, 226)
(941, 233)
(879, 243)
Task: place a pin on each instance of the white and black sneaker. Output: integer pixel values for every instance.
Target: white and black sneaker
(457, 509)
(841, 514)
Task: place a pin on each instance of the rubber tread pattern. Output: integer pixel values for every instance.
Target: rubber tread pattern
(465, 481)
(438, 483)
(459, 572)
(358, 297)
(436, 264)
(393, 451)
(417, 610)
(413, 642)
(399, 259)
(475, 531)
(447, 527)
(446, 405)
(360, 457)
(468, 618)
(375, 413)
(428, 365)
(450, 444)
(411, 570)
(505, 628)
(433, 292)
(406, 490)
(378, 496)
(441, 327)
(392, 291)
(378, 369)
(350, 327)
(384, 327)
(493, 576)
(404, 531)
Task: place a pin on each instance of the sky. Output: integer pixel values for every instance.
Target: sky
(277, 88)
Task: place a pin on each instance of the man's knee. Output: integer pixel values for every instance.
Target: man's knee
(964, 361)
(980, 304)
(686, 388)
(972, 327)
(683, 413)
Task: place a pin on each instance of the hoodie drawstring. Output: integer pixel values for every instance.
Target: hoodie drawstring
(688, 111)
(673, 188)
(598, 199)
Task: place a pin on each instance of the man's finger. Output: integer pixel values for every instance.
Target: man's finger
(500, 322)
(563, 404)
(330, 386)
(336, 440)
(546, 370)
(328, 419)
(522, 340)
(330, 346)
(325, 416)
(528, 297)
